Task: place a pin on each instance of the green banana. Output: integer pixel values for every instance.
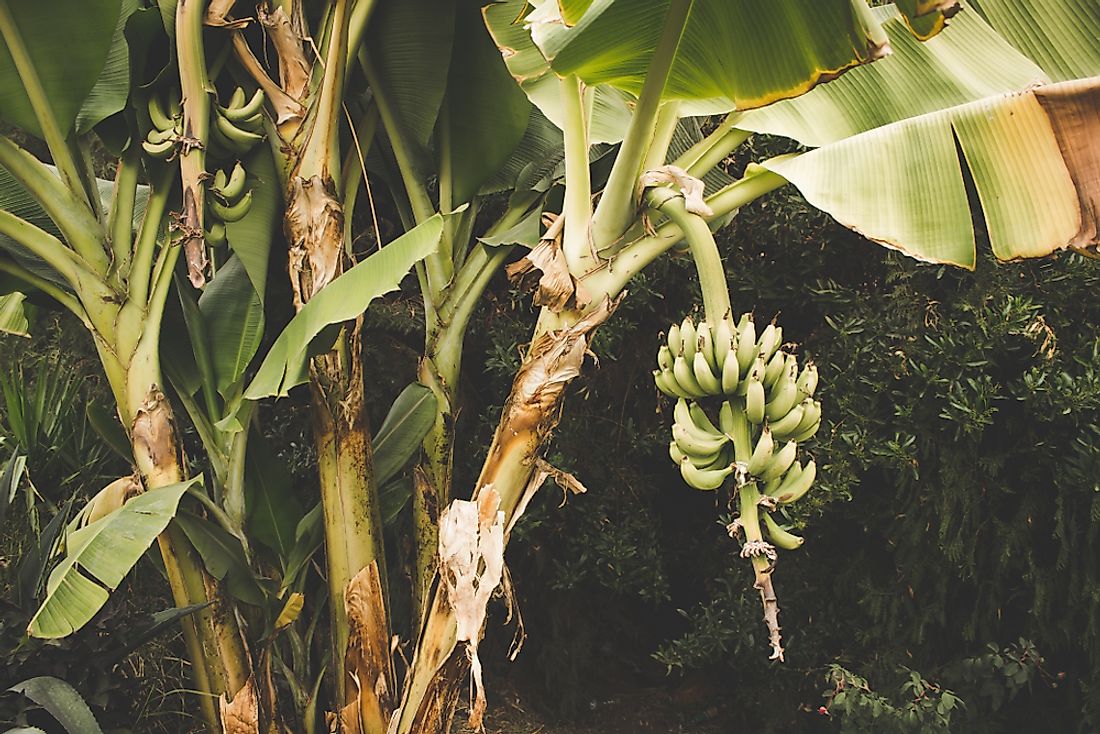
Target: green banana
(774, 369)
(754, 402)
(230, 187)
(762, 454)
(731, 374)
(688, 339)
(746, 347)
(215, 236)
(706, 479)
(240, 141)
(783, 396)
(808, 433)
(666, 383)
(156, 137)
(768, 342)
(788, 424)
(685, 377)
(698, 416)
(163, 150)
(811, 415)
(665, 359)
(704, 335)
(724, 338)
(792, 490)
(781, 538)
(807, 381)
(161, 118)
(675, 342)
(696, 443)
(704, 375)
(238, 110)
(231, 212)
(781, 461)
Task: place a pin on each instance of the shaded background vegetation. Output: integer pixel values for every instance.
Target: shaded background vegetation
(951, 549)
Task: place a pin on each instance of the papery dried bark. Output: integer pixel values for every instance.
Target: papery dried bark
(556, 288)
(690, 187)
(294, 68)
(471, 557)
(242, 714)
(368, 668)
(153, 437)
(314, 223)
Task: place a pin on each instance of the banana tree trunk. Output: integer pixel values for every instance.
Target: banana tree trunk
(530, 415)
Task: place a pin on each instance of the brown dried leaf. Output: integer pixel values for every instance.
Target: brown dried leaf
(112, 497)
(288, 111)
(217, 15)
(1074, 112)
(242, 714)
(690, 187)
(293, 66)
(368, 665)
(315, 227)
(557, 289)
(153, 437)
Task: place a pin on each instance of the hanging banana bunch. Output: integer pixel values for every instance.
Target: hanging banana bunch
(237, 127)
(227, 201)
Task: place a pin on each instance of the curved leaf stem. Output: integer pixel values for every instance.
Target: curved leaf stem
(617, 205)
(577, 207)
(704, 250)
(50, 289)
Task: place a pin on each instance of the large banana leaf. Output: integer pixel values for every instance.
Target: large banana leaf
(97, 558)
(112, 88)
(404, 428)
(744, 52)
(68, 42)
(341, 300)
(899, 137)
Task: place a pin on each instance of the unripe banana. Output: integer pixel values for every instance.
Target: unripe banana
(156, 137)
(675, 341)
(685, 377)
(781, 538)
(756, 374)
(811, 416)
(215, 236)
(238, 110)
(762, 454)
(783, 396)
(162, 119)
(793, 490)
(746, 347)
(768, 342)
(702, 421)
(665, 359)
(666, 383)
(704, 375)
(240, 141)
(725, 335)
(163, 150)
(706, 479)
(788, 424)
(688, 338)
(786, 481)
(696, 443)
(808, 433)
(754, 402)
(774, 369)
(781, 461)
(231, 212)
(731, 374)
(231, 188)
(705, 345)
(743, 322)
(807, 381)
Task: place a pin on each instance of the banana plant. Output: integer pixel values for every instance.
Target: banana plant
(485, 130)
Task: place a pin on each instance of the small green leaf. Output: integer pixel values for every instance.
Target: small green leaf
(410, 418)
(223, 556)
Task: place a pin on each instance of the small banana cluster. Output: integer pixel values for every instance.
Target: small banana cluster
(703, 360)
(236, 128)
(165, 133)
(227, 201)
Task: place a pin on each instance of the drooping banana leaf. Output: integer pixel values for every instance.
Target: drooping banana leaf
(67, 42)
(341, 300)
(97, 558)
(13, 315)
(899, 137)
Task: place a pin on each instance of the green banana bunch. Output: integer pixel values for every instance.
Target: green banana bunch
(165, 132)
(238, 125)
(703, 359)
(702, 450)
(227, 201)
